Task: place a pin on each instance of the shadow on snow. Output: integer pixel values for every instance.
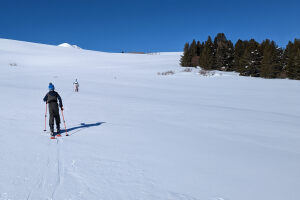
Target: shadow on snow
(80, 127)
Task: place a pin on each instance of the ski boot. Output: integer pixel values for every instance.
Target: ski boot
(52, 133)
(58, 132)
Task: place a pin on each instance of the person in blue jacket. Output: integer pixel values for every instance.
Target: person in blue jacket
(51, 99)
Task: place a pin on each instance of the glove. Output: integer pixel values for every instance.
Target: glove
(61, 108)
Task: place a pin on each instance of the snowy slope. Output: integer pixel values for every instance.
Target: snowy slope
(139, 135)
(69, 46)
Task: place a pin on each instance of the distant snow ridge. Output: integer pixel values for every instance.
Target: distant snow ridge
(69, 46)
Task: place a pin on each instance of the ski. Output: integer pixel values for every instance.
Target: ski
(55, 136)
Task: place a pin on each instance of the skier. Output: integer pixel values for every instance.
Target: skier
(51, 99)
(76, 84)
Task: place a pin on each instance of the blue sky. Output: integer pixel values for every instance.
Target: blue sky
(150, 25)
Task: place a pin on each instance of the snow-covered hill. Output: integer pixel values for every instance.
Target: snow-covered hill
(135, 134)
(69, 46)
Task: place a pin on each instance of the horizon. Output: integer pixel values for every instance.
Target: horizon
(156, 26)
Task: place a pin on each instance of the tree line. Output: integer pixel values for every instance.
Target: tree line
(247, 57)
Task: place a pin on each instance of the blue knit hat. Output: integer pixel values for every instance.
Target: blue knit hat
(51, 87)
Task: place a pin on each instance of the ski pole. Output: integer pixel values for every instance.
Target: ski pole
(45, 117)
(62, 112)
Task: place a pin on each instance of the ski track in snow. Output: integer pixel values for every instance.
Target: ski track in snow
(44, 184)
(50, 179)
(42, 174)
(60, 167)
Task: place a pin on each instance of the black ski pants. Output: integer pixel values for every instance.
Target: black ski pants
(54, 114)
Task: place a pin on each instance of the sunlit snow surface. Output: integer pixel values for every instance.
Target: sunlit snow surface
(69, 46)
(137, 135)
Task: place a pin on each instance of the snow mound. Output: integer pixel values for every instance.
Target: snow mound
(69, 45)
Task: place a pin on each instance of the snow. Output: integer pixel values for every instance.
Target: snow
(138, 135)
(69, 46)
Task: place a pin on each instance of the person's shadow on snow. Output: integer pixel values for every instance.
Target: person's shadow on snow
(80, 127)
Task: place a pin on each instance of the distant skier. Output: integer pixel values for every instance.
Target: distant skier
(76, 85)
(51, 99)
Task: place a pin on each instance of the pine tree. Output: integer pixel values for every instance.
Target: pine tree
(207, 57)
(297, 58)
(229, 59)
(297, 65)
(290, 68)
(277, 61)
(199, 48)
(220, 51)
(185, 60)
(288, 59)
(251, 60)
(271, 63)
(223, 53)
(193, 54)
(239, 50)
(297, 45)
(266, 65)
(193, 48)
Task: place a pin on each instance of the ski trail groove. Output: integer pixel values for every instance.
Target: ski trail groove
(59, 160)
(41, 177)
